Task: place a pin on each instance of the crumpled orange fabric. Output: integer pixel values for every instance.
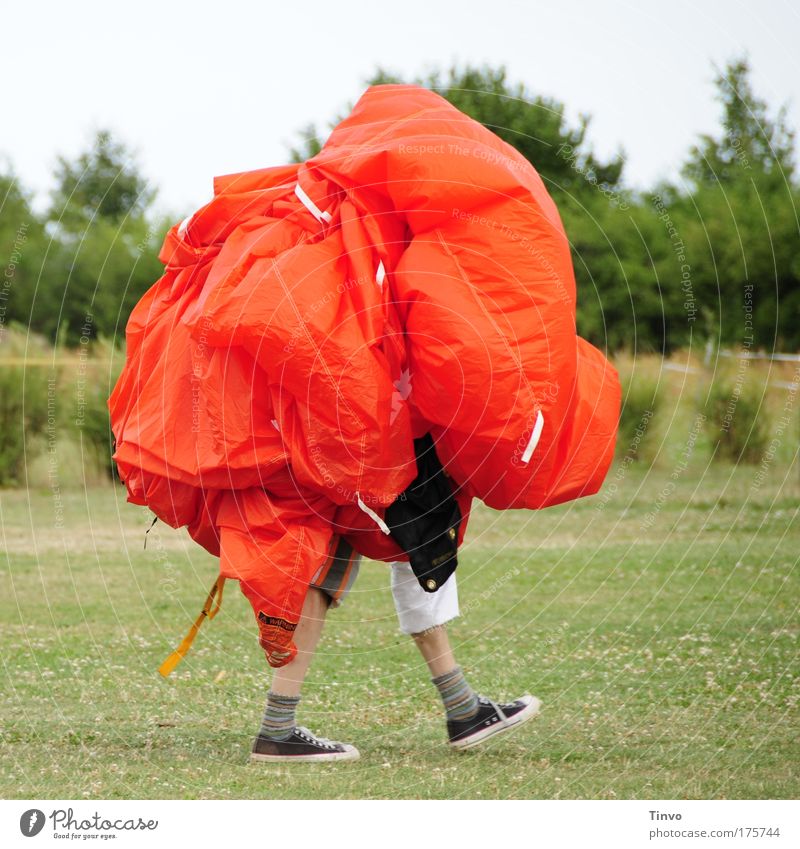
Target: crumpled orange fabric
(313, 319)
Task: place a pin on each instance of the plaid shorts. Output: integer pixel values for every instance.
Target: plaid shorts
(338, 571)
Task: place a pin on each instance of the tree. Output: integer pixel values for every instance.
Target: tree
(105, 244)
(741, 221)
(715, 255)
(103, 181)
(536, 126)
(22, 246)
(629, 293)
(751, 141)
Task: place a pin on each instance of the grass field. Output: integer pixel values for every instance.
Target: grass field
(658, 623)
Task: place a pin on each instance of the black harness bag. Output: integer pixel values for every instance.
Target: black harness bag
(424, 520)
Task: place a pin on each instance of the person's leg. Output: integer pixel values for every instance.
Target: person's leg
(279, 738)
(434, 646)
(288, 680)
(423, 616)
(471, 718)
(278, 721)
(459, 699)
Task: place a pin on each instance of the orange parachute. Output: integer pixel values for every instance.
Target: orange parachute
(314, 319)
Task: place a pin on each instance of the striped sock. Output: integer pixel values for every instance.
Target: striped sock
(459, 699)
(278, 720)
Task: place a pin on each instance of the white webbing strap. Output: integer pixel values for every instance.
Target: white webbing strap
(380, 274)
(311, 206)
(534, 440)
(373, 515)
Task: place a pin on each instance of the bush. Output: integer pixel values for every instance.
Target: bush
(642, 399)
(90, 387)
(737, 419)
(53, 416)
(25, 393)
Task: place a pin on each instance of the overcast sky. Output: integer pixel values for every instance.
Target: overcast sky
(200, 89)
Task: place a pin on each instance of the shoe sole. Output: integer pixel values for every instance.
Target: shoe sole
(349, 755)
(528, 712)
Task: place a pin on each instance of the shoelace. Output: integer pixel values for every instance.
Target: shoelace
(501, 713)
(303, 732)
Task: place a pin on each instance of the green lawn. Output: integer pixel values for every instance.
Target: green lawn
(664, 650)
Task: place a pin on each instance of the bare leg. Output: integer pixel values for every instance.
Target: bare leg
(288, 680)
(434, 646)
(470, 718)
(279, 738)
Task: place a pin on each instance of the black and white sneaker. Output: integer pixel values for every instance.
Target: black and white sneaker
(302, 746)
(491, 719)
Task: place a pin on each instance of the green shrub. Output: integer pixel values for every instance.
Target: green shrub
(87, 386)
(737, 419)
(25, 393)
(54, 420)
(642, 399)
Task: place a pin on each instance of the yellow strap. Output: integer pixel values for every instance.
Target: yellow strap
(207, 612)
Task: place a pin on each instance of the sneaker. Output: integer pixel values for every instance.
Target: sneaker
(300, 746)
(491, 719)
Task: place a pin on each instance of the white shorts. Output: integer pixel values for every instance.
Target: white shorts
(417, 610)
